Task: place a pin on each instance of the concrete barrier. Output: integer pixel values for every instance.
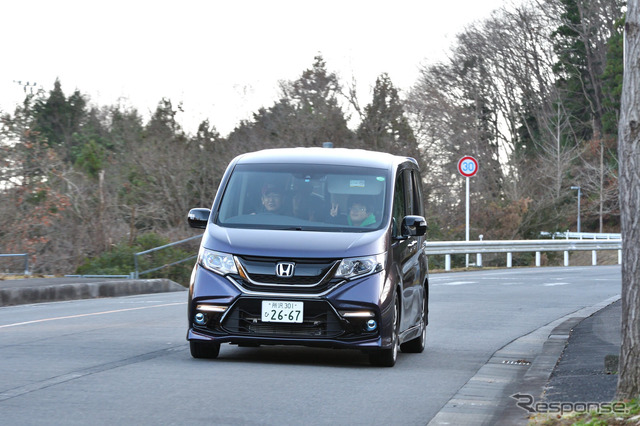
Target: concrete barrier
(19, 295)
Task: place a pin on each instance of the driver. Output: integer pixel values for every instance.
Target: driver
(272, 198)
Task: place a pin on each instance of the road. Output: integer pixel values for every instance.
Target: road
(125, 360)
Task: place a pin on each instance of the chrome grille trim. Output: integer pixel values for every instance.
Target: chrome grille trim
(278, 294)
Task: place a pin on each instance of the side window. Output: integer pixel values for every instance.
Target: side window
(417, 193)
(399, 203)
(408, 185)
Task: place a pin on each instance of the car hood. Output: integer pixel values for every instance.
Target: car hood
(279, 243)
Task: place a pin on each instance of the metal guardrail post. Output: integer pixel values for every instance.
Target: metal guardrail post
(537, 258)
(135, 273)
(566, 258)
(509, 259)
(447, 262)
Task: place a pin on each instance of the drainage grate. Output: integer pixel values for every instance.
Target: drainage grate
(518, 362)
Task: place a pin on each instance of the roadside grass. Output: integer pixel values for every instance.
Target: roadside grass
(631, 416)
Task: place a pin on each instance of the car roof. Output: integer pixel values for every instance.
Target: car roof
(333, 156)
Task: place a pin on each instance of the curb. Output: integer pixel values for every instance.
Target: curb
(75, 291)
(523, 366)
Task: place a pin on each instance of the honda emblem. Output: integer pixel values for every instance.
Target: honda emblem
(285, 269)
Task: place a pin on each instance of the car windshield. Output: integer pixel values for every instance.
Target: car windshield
(304, 197)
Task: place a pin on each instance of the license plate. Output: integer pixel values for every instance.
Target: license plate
(281, 311)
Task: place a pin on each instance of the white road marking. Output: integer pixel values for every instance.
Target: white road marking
(458, 283)
(88, 315)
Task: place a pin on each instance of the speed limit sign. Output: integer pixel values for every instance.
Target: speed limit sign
(468, 166)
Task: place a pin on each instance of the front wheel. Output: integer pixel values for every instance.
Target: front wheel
(388, 357)
(204, 350)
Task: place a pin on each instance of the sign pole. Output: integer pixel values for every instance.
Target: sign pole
(466, 228)
(468, 167)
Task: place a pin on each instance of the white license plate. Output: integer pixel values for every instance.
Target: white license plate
(282, 311)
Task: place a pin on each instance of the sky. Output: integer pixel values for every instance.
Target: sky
(222, 60)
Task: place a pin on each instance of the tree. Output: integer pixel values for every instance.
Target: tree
(59, 118)
(384, 126)
(307, 114)
(629, 151)
(585, 42)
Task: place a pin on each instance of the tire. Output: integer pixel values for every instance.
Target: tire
(416, 346)
(388, 357)
(204, 350)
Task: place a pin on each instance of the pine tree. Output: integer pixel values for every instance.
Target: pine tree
(384, 126)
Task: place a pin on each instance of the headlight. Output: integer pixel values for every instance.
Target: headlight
(220, 263)
(358, 266)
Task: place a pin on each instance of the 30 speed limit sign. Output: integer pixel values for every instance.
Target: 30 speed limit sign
(468, 166)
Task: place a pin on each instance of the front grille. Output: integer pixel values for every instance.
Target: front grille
(311, 276)
(319, 321)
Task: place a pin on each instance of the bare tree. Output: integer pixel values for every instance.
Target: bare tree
(629, 152)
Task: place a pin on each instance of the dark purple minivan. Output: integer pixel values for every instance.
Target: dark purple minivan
(315, 247)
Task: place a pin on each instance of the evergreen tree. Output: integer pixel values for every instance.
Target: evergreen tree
(384, 126)
(58, 119)
(308, 112)
(612, 80)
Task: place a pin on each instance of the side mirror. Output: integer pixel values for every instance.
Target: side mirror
(198, 218)
(414, 226)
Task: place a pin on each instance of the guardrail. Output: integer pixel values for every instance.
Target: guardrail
(136, 274)
(130, 276)
(26, 260)
(509, 247)
(582, 235)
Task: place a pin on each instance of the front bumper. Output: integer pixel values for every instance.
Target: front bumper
(336, 317)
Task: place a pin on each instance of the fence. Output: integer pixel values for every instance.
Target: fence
(26, 260)
(136, 274)
(448, 248)
(581, 235)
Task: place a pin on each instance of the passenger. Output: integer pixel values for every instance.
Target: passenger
(272, 199)
(359, 213)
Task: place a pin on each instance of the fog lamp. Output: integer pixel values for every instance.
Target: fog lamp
(371, 325)
(200, 318)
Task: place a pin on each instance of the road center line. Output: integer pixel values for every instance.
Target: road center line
(88, 315)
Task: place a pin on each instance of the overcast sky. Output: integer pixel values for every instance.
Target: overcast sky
(221, 59)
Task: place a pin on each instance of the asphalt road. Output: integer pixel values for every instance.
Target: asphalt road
(125, 360)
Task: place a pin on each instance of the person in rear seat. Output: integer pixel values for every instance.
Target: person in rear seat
(359, 212)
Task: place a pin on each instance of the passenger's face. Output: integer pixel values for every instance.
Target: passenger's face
(358, 213)
(272, 201)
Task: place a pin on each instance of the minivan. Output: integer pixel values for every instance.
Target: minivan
(317, 247)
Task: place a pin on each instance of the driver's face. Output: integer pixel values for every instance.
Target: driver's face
(272, 201)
